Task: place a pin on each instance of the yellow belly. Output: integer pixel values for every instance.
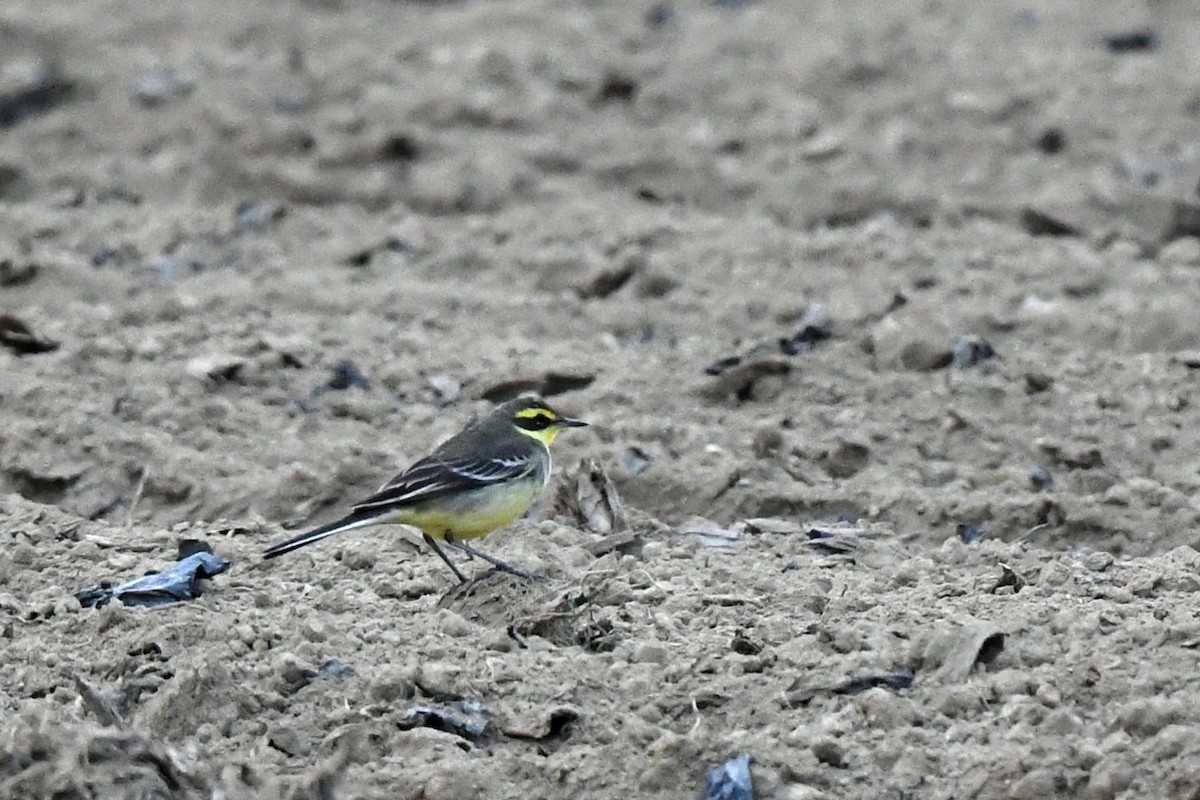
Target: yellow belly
(474, 514)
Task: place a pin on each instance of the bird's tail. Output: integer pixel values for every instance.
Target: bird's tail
(348, 523)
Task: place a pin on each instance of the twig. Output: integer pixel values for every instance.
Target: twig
(137, 496)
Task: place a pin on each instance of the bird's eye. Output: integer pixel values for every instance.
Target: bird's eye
(538, 422)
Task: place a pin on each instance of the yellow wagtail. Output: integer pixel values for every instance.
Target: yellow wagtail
(479, 480)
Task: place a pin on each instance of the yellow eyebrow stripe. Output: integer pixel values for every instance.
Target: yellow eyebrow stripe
(533, 413)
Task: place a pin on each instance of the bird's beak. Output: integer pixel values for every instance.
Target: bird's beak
(567, 422)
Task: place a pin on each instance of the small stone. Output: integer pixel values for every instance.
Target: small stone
(454, 782)
(359, 558)
(388, 588)
(922, 356)
(1147, 716)
(767, 441)
(157, 86)
(847, 458)
(1108, 778)
(1098, 561)
(23, 554)
(1040, 479)
(1035, 785)
(345, 374)
(1184, 250)
(1041, 223)
(656, 284)
(1037, 382)
(801, 791)
(396, 683)
(216, 368)
(824, 145)
(314, 631)
(1171, 742)
(1052, 141)
(1048, 696)
(447, 388)
(1137, 40)
(649, 653)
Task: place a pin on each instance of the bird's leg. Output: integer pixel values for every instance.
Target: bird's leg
(457, 572)
(495, 562)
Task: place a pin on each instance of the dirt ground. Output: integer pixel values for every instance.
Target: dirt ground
(929, 532)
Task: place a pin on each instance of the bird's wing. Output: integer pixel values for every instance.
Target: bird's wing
(438, 475)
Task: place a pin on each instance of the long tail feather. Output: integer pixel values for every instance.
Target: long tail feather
(324, 532)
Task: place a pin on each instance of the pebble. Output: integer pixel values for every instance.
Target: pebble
(1036, 382)
(359, 558)
(454, 782)
(649, 653)
(1035, 785)
(922, 356)
(1062, 723)
(1048, 696)
(959, 700)
(245, 634)
(1171, 741)
(157, 86)
(1108, 778)
(767, 442)
(884, 708)
(800, 791)
(1146, 716)
(1040, 479)
(847, 458)
(453, 624)
(1184, 250)
(23, 554)
(314, 630)
(394, 683)
(448, 389)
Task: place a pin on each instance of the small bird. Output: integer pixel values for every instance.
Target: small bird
(479, 480)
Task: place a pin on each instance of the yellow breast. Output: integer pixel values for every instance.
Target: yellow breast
(474, 514)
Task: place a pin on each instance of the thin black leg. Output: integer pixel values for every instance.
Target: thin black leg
(457, 572)
(495, 562)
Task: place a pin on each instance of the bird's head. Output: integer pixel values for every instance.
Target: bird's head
(534, 418)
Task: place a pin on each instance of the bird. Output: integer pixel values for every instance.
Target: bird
(476, 482)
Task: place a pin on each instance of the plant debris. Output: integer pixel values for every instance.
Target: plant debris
(548, 384)
(13, 275)
(971, 350)
(463, 718)
(801, 693)
(343, 375)
(738, 374)
(730, 781)
(180, 582)
(44, 89)
(1135, 41)
(968, 534)
(588, 495)
(608, 281)
(216, 368)
(18, 337)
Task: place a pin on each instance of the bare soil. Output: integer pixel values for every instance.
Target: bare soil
(930, 532)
